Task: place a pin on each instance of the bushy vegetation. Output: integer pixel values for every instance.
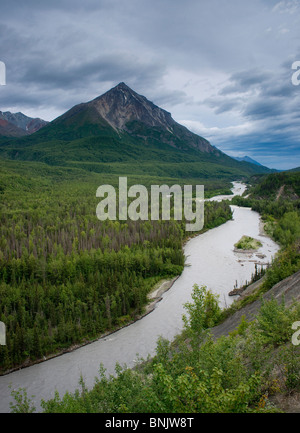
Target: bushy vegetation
(248, 243)
(197, 374)
(268, 187)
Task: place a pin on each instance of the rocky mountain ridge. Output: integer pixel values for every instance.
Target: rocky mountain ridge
(125, 110)
(18, 124)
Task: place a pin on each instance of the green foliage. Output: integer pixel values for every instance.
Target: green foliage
(203, 312)
(248, 243)
(287, 230)
(269, 185)
(288, 362)
(233, 374)
(286, 263)
(85, 141)
(23, 404)
(66, 277)
(274, 322)
(191, 389)
(241, 329)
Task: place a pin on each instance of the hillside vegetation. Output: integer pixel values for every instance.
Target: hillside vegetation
(239, 373)
(285, 185)
(109, 153)
(65, 277)
(248, 243)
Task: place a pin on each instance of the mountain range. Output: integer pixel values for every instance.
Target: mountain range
(247, 159)
(18, 125)
(125, 131)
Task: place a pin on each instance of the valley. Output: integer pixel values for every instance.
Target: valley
(69, 281)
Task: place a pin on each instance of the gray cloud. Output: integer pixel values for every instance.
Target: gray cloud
(244, 81)
(262, 109)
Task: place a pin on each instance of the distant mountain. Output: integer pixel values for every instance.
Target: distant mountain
(8, 129)
(131, 134)
(247, 159)
(17, 124)
(35, 125)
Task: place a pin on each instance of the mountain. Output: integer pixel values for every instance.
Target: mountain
(35, 125)
(24, 125)
(294, 169)
(124, 133)
(124, 110)
(247, 159)
(8, 129)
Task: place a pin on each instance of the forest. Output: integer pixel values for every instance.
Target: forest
(66, 277)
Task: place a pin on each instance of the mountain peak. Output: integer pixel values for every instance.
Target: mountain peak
(246, 159)
(124, 110)
(122, 105)
(122, 85)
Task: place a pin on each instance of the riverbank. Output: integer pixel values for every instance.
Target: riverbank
(287, 289)
(154, 297)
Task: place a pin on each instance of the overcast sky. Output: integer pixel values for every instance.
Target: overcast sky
(223, 68)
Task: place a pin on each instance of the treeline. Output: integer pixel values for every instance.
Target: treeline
(268, 187)
(66, 277)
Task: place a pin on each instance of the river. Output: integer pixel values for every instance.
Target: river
(211, 261)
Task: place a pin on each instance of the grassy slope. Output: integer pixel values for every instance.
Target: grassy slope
(83, 143)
